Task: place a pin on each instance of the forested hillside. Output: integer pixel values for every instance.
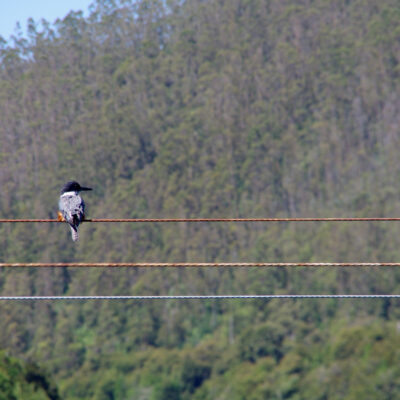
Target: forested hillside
(19, 381)
(214, 108)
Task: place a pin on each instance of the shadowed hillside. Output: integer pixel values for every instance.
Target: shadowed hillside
(20, 381)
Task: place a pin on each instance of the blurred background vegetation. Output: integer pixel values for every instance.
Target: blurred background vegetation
(215, 108)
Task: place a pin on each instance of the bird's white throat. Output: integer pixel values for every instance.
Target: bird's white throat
(73, 193)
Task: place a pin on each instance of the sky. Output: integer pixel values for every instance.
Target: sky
(12, 11)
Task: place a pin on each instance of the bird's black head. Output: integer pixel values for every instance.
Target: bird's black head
(73, 186)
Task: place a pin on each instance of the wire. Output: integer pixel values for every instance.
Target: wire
(197, 265)
(202, 297)
(213, 220)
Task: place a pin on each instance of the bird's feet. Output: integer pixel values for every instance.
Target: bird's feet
(60, 217)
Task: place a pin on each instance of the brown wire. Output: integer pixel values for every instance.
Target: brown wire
(329, 219)
(196, 265)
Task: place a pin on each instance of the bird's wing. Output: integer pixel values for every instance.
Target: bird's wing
(73, 208)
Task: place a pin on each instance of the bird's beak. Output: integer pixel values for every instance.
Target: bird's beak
(86, 188)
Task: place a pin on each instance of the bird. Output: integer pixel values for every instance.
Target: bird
(72, 207)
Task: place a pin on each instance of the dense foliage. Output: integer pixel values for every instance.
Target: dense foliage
(216, 108)
(20, 381)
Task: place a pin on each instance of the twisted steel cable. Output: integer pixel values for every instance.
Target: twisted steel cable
(196, 265)
(202, 297)
(141, 220)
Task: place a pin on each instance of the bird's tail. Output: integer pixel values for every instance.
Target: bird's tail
(74, 233)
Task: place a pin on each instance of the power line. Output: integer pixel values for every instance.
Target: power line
(142, 220)
(197, 265)
(202, 297)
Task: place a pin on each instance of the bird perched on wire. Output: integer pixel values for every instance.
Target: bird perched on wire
(72, 207)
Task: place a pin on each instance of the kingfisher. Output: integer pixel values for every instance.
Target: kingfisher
(72, 207)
